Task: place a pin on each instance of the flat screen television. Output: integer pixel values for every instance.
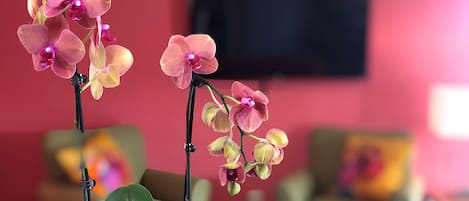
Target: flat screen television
(258, 39)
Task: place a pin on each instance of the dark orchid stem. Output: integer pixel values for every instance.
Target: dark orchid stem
(189, 147)
(222, 97)
(86, 183)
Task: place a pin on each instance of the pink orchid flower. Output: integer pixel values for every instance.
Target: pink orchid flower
(252, 111)
(79, 10)
(232, 174)
(107, 66)
(184, 55)
(52, 45)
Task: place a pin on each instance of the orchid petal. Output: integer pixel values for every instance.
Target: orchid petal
(221, 121)
(63, 69)
(110, 78)
(248, 120)
(207, 66)
(120, 58)
(172, 61)
(263, 171)
(33, 37)
(40, 16)
(277, 137)
(85, 21)
(208, 112)
(239, 90)
(55, 27)
(278, 157)
(37, 63)
(70, 47)
(202, 45)
(263, 152)
(231, 151)
(33, 6)
(216, 147)
(183, 81)
(181, 41)
(97, 55)
(222, 176)
(96, 90)
(260, 97)
(95, 8)
(263, 111)
(55, 7)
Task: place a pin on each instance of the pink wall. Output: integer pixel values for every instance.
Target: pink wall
(412, 45)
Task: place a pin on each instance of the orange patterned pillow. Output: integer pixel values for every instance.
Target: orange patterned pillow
(394, 153)
(106, 163)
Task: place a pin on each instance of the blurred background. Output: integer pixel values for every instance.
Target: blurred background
(411, 73)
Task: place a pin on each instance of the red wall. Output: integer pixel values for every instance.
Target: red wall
(412, 45)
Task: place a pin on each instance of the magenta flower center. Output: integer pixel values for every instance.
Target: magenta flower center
(76, 10)
(193, 60)
(47, 56)
(248, 101)
(232, 175)
(106, 33)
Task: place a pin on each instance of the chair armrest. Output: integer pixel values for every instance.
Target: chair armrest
(169, 186)
(413, 190)
(296, 187)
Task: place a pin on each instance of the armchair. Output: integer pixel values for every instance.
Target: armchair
(320, 181)
(162, 185)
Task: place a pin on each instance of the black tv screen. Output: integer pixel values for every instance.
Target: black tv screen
(288, 38)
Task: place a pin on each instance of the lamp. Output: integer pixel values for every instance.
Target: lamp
(449, 111)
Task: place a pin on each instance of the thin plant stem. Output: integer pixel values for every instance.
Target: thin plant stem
(224, 104)
(188, 146)
(87, 37)
(254, 137)
(223, 97)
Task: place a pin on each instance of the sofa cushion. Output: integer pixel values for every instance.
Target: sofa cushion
(379, 166)
(105, 161)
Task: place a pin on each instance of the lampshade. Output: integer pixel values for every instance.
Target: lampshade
(449, 111)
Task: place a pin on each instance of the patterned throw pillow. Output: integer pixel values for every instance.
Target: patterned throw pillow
(373, 166)
(105, 161)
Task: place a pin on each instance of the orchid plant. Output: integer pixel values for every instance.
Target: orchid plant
(52, 44)
(186, 59)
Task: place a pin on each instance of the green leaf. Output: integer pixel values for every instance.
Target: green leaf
(132, 192)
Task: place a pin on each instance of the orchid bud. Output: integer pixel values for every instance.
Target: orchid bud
(233, 188)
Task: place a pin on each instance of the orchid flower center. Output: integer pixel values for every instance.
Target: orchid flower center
(105, 33)
(193, 60)
(248, 101)
(76, 10)
(232, 175)
(47, 56)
